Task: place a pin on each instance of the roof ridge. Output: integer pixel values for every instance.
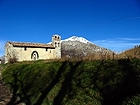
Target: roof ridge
(29, 44)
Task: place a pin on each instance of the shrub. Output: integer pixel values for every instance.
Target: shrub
(12, 60)
(135, 100)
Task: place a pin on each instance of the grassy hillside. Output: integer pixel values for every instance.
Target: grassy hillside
(100, 82)
(131, 53)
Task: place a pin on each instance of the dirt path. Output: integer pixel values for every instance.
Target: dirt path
(5, 94)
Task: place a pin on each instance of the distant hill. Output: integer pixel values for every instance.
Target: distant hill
(131, 53)
(2, 58)
(81, 47)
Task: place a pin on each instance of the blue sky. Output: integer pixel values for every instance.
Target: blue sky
(114, 24)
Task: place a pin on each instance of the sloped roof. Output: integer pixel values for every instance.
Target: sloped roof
(26, 44)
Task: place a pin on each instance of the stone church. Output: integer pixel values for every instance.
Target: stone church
(24, 51)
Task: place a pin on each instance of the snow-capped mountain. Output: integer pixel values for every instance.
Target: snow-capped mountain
(75, 38)
(79, 46)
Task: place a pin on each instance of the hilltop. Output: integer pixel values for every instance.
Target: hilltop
(131, 53)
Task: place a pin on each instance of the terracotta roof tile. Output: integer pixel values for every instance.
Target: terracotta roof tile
(26, 44)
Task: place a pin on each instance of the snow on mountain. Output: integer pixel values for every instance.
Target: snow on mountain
(79, 46)
(75, 38)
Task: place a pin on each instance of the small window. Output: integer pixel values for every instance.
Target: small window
(55, 36)
(25, 48)
(58, 44)
(46, 49)
(55, 44)
(50, 51)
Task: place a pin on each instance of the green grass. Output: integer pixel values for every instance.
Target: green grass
(100, 82)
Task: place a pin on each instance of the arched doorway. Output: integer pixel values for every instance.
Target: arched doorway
(34, 55)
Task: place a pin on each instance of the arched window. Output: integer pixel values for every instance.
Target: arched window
(34, 55)
(55, 44)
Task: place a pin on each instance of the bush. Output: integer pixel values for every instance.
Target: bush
(12, 60)
(135, 100)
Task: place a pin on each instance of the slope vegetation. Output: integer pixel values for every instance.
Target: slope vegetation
(100, 82)
(131, 53)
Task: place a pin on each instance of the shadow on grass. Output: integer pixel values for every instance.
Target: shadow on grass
(21, 86)
(108, 82)
(118, 82)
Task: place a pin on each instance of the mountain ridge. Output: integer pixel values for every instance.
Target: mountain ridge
(76, 38)
(80, 47)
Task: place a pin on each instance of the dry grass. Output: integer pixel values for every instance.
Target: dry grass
(131, 53)
(90, 57)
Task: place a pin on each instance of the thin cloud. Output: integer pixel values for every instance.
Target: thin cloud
(134, 18)
(118, 44)
(2, 43)
(127, 39)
